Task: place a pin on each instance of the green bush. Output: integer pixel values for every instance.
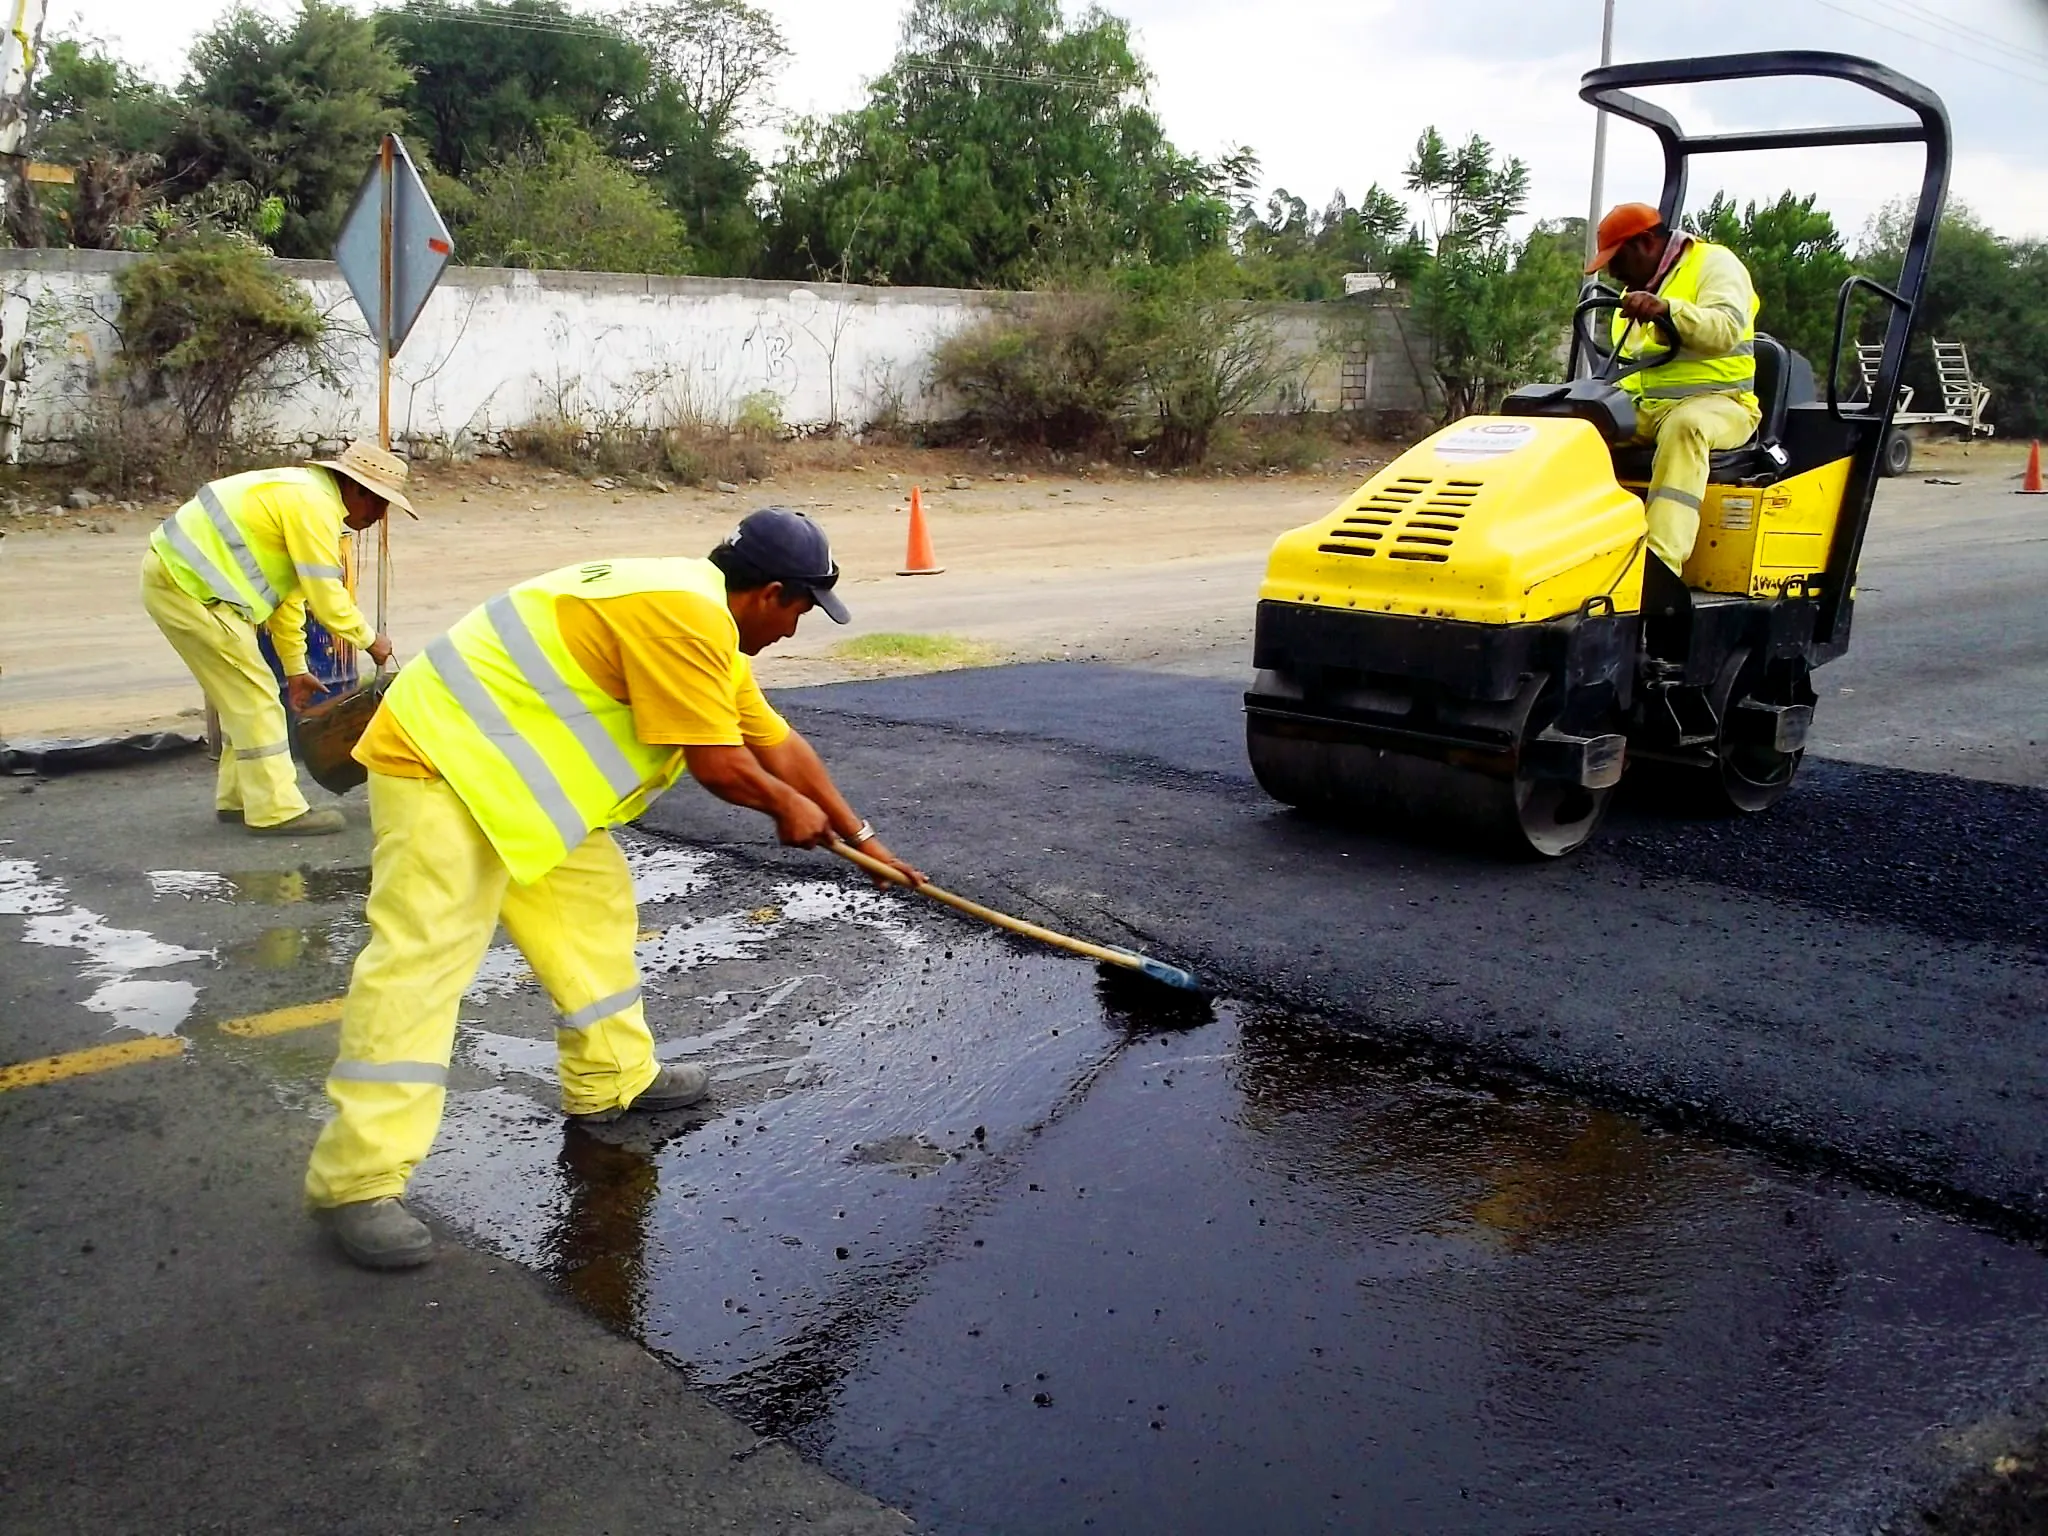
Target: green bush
(1203, 356)
(1053, 375)
(759, 415)
(201, 318)
(1158, 358)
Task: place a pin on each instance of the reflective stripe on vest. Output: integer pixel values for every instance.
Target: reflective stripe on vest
(206, 537)
(1690, 373)
(526, 761)
(532, 661)
(538, 752)
(230, 535)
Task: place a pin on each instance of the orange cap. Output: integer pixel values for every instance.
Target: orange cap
(1623, 223)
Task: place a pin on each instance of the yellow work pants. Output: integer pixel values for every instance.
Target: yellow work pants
(219, 647)
(437, 891)
(1685, 432)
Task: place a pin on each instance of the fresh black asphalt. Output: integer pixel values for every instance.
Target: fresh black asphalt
(1855, 978)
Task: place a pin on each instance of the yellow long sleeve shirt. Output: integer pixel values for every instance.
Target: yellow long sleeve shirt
(1711, 324)
(307, 525)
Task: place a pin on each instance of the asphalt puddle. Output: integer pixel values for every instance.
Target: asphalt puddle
(1009, 1248)
(1017, 1247)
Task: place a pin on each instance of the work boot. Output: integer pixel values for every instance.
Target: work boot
(307, 824)
(380, 1234)
(232, 818)
(674, 1087)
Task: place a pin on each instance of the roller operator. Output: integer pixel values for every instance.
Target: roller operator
(1693, 299)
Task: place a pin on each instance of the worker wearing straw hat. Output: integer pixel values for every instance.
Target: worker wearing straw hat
(260, 548)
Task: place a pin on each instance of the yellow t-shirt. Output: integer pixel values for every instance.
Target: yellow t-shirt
(669, 656)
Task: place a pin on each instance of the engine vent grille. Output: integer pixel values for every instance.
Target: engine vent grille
(1412, 518)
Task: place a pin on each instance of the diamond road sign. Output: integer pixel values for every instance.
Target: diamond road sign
(420, 247)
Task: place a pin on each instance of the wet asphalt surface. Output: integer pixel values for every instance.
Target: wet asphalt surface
(1697, 1184)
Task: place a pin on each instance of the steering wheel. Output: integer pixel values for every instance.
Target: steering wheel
(1602, 352)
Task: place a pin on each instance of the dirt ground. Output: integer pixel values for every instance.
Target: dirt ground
(1105, 563)
(1035, 566)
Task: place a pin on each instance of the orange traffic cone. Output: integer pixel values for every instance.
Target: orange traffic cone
(919, 560)
(2031, 486)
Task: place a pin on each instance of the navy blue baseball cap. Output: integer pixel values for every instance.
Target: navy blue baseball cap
(786, 546)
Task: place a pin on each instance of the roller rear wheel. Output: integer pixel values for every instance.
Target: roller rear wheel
(1747, 776)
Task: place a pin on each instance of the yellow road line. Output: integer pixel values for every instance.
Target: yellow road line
(282, 1021)
(99, 1058)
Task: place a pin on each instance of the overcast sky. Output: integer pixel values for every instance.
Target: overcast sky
(1334, 94)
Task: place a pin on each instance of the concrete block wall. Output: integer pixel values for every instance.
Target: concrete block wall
(499, 349)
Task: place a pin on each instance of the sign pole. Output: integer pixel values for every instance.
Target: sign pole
(386, 172)
(389, 187)
(390, 282)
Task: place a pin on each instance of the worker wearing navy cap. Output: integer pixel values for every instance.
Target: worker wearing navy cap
(498, 762)
(1695, 299)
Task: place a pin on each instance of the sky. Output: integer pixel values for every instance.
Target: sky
(1333, 95)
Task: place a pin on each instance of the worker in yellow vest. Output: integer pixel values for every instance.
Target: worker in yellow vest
(498, 762)
(259, 548)
(1687, 294)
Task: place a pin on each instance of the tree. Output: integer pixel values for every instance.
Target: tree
(292, 107)
(485, 77)
(712, 62)
(1985, 291)
(564, 203)
(1293, 253)
(997, 120)
(112, 127)
(87, 102)
(1495, 308)
(719, 55)
(1795, 259)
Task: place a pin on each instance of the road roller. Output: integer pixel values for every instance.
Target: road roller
(1478, 641)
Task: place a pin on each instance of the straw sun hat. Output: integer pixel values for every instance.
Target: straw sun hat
(377, 471)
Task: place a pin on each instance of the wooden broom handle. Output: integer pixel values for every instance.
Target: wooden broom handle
(881, 871)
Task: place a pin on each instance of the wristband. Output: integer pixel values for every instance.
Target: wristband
(863, 834)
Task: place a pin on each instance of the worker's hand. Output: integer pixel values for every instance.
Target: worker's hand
(1638, 304)
(301, 692)
(802, 823)
(380, 650)
(873, 849)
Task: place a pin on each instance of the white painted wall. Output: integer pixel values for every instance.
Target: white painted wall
(498, 349)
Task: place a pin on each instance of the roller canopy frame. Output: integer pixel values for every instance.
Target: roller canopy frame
(1611, 90)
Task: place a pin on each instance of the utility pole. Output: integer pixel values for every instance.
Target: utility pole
(1596, 207)
(18, 47)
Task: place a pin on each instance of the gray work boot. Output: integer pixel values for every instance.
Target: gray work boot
(307, 824)
(232, 818)
(380, 1234)
(674, 1087)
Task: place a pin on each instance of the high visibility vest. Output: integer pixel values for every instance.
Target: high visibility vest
(537, 751)
(208, 551)
(1689, 373)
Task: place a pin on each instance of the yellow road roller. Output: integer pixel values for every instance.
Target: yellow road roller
(1478, 639)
